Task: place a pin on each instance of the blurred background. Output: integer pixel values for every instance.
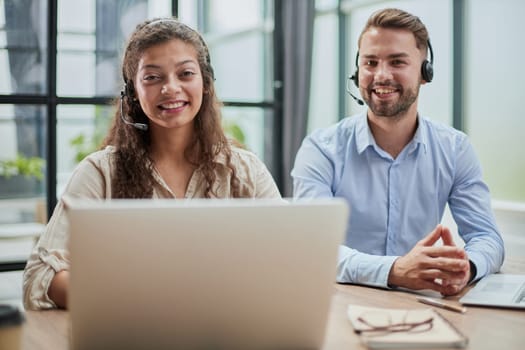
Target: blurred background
(281, 69)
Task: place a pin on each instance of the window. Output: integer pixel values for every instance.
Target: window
(494, 95)
(89, 52)
(57, 101)
(24, 123)
(54, 108)
(239, 35)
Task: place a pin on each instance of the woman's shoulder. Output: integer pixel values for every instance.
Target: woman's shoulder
(91, 176)
(104, 155)
(245, 162)
(253, 177)
(100, 161)
(243, 156)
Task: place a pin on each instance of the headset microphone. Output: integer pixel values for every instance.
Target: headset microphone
(358, 100)
(140, 126)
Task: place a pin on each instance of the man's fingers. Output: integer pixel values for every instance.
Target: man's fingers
(432, 237)
(451, 290)
(446, 277)
(451, 265)
(442, 268)
(446, 236)
(443, 263)
(432, 286)
(444, 251)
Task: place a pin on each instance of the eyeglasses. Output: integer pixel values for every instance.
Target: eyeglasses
(382, 322)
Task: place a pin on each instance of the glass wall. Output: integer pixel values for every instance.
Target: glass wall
(55, 105)
(324, 91)
(80, 131)
(94, 42)
(23, 46)
(57, 98)
(239, 35)
(22, 164)
(23, 125)
(493, 93)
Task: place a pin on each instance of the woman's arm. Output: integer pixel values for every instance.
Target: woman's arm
(58, 289)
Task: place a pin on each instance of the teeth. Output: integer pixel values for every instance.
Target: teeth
(384, 91)
(173, 105)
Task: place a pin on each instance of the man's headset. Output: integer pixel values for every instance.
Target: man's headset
(128, 90)
(427, 73)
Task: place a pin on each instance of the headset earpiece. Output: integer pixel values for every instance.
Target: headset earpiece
(427, 71)
(129, 90)
(355, 77)
(427, 67)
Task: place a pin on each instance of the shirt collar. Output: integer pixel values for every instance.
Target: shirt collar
(421, 135)
(364, 137)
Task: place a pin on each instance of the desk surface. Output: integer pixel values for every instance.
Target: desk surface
(486, 328)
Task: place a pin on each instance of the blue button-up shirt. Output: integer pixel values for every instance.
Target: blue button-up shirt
(396, 202)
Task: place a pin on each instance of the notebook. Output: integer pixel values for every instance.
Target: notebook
(382, 328)
(206, 274)
(498, 290)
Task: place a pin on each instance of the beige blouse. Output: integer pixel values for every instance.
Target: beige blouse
(92, 179)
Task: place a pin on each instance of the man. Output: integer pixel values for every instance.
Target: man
(398, 170)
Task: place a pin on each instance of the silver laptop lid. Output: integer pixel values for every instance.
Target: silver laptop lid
(498, 290)
(203, 273)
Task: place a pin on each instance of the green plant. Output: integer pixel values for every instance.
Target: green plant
(22, 165)
(84, 145)
(234, 131)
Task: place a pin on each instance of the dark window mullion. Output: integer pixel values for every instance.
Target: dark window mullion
(23, 99)
(343, 25)
(458, 120)
(264, 104)
(51, 157)
(276, 145)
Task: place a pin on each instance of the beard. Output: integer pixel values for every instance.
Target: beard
(392, 109)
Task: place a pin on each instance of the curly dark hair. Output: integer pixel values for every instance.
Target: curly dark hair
(133, 172)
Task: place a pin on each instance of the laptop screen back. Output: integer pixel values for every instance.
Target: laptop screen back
(203, 273)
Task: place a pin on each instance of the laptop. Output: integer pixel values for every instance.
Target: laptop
(498, 290)
(203, 274)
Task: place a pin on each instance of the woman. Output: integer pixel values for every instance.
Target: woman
(166, 142)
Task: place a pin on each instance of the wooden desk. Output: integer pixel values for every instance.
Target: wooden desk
(486, 328)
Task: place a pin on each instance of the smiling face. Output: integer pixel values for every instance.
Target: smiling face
(390, 71)
(169, 84)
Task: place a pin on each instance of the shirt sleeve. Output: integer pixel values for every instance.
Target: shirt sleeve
(313, 177)
(469, 203)
(51, 255)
